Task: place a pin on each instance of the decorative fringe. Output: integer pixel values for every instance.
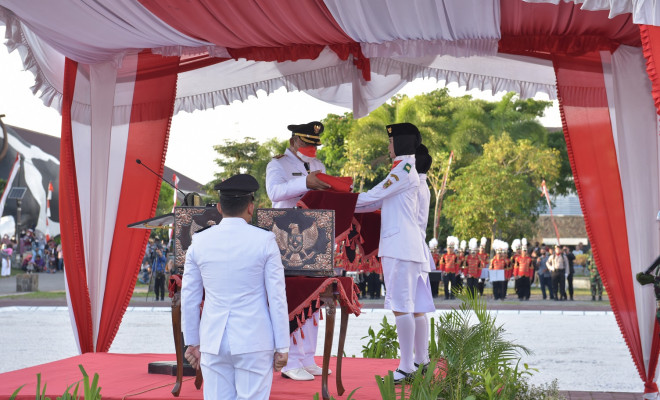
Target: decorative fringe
(315, 321)
(294, 338)
(302, 334)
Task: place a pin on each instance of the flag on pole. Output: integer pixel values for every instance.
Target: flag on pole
(48, 198)
(175, 179)
(544, 188)
(10, 182)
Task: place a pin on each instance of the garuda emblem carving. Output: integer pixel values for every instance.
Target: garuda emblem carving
(297, 244)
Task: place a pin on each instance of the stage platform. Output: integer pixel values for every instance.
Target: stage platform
(124, 376)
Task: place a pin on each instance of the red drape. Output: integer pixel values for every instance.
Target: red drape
(273, 30)
(592, 154)
(155, 83)
(71, 232)
(651, 47)
(561, 29)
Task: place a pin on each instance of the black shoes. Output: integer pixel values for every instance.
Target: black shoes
(405, 378)
(424, 367)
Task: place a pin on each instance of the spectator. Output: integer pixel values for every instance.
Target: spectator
(159, 270)
(579, 250)
(545, 279)
(60, 258)
(558, 266)
(39, 264)
(571, 270)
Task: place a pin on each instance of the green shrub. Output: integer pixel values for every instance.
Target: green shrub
(384, 344)
(91, 390)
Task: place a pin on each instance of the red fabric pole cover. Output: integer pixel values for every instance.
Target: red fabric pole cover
(592, 154)
(147, 140)
(651, 46)
(71, 232)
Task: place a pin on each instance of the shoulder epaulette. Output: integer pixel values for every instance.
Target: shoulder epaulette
(203, 229)
(277, 157)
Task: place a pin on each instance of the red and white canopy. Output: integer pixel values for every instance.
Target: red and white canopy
(118, 71)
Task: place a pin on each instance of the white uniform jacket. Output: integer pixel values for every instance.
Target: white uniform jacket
(424, 202)
(397, 197)
(286, 179)
(240, 268)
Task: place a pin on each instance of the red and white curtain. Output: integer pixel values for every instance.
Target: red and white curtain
(132, 63)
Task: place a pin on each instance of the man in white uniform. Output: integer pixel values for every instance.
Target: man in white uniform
(403, 254)
(288, 177)
(244, 327)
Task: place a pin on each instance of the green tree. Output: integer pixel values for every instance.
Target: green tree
(246, 157)
(164, 206)
(333, 152)
(498, 194)
(564, 184)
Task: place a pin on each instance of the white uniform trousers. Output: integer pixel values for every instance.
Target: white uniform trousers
(301, 354)
(407, 290)
(247, 376)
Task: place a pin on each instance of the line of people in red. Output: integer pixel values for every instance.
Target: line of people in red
(475, 266)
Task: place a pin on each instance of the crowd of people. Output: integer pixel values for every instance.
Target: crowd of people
(33, 252)
(552, 268)
(157, 266)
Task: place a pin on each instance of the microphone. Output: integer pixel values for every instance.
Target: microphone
(163, 179)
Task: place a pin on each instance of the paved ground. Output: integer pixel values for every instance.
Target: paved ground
(55, 283)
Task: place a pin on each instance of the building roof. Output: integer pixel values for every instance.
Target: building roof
(51, 145)
(563, 205)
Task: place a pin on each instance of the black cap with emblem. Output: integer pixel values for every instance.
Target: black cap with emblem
(237, 186)
(405, 137)
(309, 133)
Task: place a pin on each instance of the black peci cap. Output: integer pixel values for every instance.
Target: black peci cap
(309, 133)
(238, 186)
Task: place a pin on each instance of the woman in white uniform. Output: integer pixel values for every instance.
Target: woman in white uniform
(403, 254)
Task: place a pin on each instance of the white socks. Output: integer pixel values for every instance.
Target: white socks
(405, 329)
(421, 339)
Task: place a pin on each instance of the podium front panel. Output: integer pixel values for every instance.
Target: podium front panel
(305, 239)
(188, 221)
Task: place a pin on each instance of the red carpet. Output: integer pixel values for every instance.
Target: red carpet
(124, 376)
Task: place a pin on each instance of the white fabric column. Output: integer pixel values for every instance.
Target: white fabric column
(100, 139)
(634, 123)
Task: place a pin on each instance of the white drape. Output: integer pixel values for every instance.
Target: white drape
(645, 12)
(635, 128)
(393, 28)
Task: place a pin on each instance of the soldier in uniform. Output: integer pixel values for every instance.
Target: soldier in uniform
(403, 254)
(483, 257)
(473, 267)
(499, 262)
(460, 268)
(508, 272)
(594, 278)
(523, 270)
(448, 264)
(288, 177)
(243, 332)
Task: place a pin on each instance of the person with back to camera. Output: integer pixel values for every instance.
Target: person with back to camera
(243, 332)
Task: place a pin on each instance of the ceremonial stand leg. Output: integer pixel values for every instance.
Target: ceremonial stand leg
(178, 341)
(340, 348)
(328, 298)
